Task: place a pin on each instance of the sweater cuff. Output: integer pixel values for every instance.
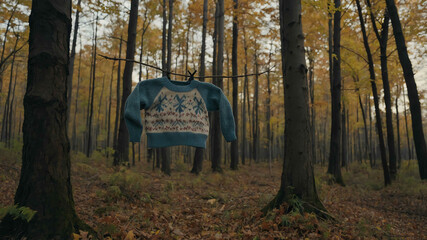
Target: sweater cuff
(134, 133)
(230, 137)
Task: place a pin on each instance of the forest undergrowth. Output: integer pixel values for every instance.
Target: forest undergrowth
(138, 203)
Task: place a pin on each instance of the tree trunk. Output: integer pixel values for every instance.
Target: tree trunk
(366, 151)
(123, 139)
(7, 106)
(9, 137)
(334, 167)
(89, 130)
(116, 121)
(110, 100)
(198, 155)
(399, 155)
(344, 138)
(216, 133)
(74, 137)
(255, 119)
(165, 152)
(268, 112)
(382, 40)
(164, 23)
(245, 98)
(98, 123)
(45, 184)
(298, 175)
(406, 127)
(235, 144)
(71, 62)
(387, 179)
(2, 58)
(313, 113)
(414, 102)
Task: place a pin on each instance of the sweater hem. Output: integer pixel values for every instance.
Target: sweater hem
(159, 140)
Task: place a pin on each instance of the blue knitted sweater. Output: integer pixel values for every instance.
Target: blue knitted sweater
(176, 113)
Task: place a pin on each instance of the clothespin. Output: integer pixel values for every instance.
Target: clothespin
(191, 75)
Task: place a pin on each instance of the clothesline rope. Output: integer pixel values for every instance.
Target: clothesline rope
(184, 75)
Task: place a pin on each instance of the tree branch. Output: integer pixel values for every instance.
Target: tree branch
(183, 75)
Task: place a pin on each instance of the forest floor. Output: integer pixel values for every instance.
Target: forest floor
(138, 203)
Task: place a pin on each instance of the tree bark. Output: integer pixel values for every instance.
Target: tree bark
(7, 106)
(216, 133)
(198, 155)
(334, 167)
(116, 121)
(245, 99)
(399, 155)
(164, 23)
(387, 179)
(89, 129)
(255, 119)
(382, 40)
(297, 176)
(414, 101)
(45, 184)
(165, 152)
(110, 100)
(406, 127)
(74, 136)
(312, 109)
(122, 155)
(235, 144)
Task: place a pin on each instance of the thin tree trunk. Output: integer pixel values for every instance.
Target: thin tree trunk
(344, 138)
(116, 121)
(89, 131)
(414, 102)
(7, 106)
(387, 179)
(11, 110)
(2, 58)
(255, 112)
(268, 113)
(164, 23)
(110, 100)
(235, 144)
(165, 152)
(98, 127)
(122, 155)
(71, 62)
(383, 39)
(216, 143)
(313, 112)
(74, 135)
(198, 155)
(334, 167)
(399, 155)
(406, 127)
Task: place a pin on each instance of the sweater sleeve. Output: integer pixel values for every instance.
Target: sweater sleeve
(216, 101)
(226, 117)
(136, 101)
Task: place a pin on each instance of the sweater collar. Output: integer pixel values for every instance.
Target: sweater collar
(178, 86)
